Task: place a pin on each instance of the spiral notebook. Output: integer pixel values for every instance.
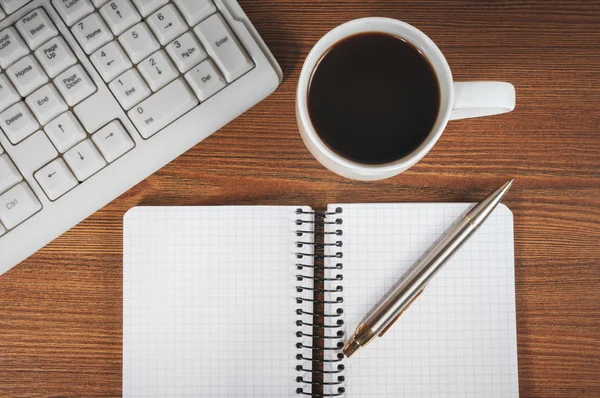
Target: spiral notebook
(218, 302)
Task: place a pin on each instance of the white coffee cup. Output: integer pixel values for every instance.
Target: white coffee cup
(458, 100)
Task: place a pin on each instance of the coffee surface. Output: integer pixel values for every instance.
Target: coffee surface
(373, 98)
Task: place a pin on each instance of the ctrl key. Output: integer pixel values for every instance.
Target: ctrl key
(17, 205)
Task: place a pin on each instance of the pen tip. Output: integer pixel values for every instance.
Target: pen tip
(351, 347)
(507, 185)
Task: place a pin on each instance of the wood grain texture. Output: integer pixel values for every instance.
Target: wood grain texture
(60, 311)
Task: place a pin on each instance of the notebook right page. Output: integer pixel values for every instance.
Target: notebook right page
(458, 339)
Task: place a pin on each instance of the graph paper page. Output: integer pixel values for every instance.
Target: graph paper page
(458, 339)
(209, 306)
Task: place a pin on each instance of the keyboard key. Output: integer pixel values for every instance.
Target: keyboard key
(46, 104)
(17, 205)
(36, 28)
(98, 110)
(158, 70)
(11, 6)
(18, 123)
(92, 33)
(75, 85)
(56, 179)
(72, 11)
(113, 141)
(139, 42)
(65, 132)
(9, 175)
(99, 3)
(187, 52)
(196, 11)
(205, 80)
(167, 24)
(163, 108)
(12, 47)
(27, 75)
(2, 15)
(8, 93)
(120, 15)
(130, 89)
(147, 7)
(84, 160)
(33, 152)
(223, 47)
(111, 61)
(55, 56)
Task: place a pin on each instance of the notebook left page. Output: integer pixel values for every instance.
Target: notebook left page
(210, 302)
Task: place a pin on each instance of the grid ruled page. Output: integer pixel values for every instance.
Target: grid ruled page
(458, 339)
(209, 306)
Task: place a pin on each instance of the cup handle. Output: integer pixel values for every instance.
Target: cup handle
(474, 99)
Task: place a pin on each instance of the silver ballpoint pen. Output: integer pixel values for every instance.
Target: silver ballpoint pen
(383, 316)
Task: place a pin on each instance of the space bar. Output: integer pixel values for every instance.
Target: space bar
(163, 108)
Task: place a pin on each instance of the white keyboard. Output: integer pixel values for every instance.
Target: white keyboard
(95, 95)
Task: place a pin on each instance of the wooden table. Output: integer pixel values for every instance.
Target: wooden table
(60, 311)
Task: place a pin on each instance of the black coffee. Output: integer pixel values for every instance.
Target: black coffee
(373, 98)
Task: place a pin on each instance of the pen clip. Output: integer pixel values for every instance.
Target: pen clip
(389, 325)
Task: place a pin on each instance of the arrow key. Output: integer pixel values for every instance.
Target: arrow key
(167, 24)
(158, 70)
(111, 61)
(65, 131)
(85, 160)
(113, 141)
(120, 15)
(56, 179)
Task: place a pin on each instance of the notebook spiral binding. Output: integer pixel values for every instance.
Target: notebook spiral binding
(322, 233)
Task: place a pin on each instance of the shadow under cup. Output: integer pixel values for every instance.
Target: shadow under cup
(373, 98)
